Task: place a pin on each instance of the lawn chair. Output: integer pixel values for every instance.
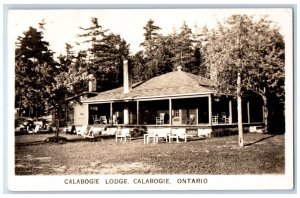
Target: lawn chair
(96, 119)
(173, 135)
(123, 134)
(225, 119)
(215, 119)
(192, 119)
(103, 120)
(35, 130)
(160, 119)
(163, 133)
(150, 135)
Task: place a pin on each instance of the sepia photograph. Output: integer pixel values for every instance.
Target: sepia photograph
(132, 98)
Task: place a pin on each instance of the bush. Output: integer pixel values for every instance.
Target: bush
(224, 132)
(56, 139)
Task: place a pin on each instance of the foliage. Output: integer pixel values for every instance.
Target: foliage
(183, 49)
(42, 82)
(153, 49)
(253, 48)
(163, 54)
(105, 55)
(34, 68)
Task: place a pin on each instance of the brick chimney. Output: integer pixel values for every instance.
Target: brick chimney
(126, 77)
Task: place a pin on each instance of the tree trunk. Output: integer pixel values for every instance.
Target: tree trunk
(239, 108)
(29, 113)
(57, 123)
(265, 112)
(20, 106)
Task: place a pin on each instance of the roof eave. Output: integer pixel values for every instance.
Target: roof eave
(152, 97)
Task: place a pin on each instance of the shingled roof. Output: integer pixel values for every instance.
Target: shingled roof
(177, 83)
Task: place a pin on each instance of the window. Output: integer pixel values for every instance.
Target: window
(94, 108)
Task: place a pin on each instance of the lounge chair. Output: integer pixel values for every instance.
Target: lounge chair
(81, 131)
(93, 132)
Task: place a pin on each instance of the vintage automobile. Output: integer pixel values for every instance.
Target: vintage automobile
(21, 124)
(29, 125)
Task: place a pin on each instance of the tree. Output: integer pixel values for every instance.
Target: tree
(150, 33)
(201, 40)
(42, 81)
(31, 54)
(61, 94)
(74, 66)
(138, 63)
(105, 55)
(150, 45)
(255, 50)
(266, 73)
(184, 52)
(109, 56)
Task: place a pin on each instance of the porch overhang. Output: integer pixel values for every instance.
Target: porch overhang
(151, 98)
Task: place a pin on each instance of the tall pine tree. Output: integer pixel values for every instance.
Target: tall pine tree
(105, 55)
(32, 60)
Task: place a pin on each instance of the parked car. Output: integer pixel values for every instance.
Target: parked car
(43, 123)
(22, 124)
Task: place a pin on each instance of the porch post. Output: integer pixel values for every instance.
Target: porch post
(170, 111)
(230, 111)
(197, 114)
(110, 113)
(263, 112)
(126, 114)
(137, 112)
(248, 111)
(209, 109)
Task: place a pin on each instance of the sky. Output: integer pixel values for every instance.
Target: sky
(62, 26)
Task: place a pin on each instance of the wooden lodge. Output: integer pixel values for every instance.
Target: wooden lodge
(174, 100)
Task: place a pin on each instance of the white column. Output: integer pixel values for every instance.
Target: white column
(111, 112)
(197, 114)
(137, 112)
(170, 111)
(126, 114)
(248, 111)
(230, 111)
(209, 109)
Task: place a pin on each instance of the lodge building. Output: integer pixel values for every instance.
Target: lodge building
(173, 100)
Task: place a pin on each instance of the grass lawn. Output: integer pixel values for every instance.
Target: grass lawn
(263, 154)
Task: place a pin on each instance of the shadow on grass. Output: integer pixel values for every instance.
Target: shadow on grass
(34, 143)
(260, 140)
(19, 133)
(82, 139)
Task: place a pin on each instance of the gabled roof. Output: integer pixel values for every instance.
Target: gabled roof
(177, 83)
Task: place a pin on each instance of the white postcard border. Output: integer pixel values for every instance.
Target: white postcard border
(215, 182)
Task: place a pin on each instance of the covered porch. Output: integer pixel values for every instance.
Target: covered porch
(200, 110)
